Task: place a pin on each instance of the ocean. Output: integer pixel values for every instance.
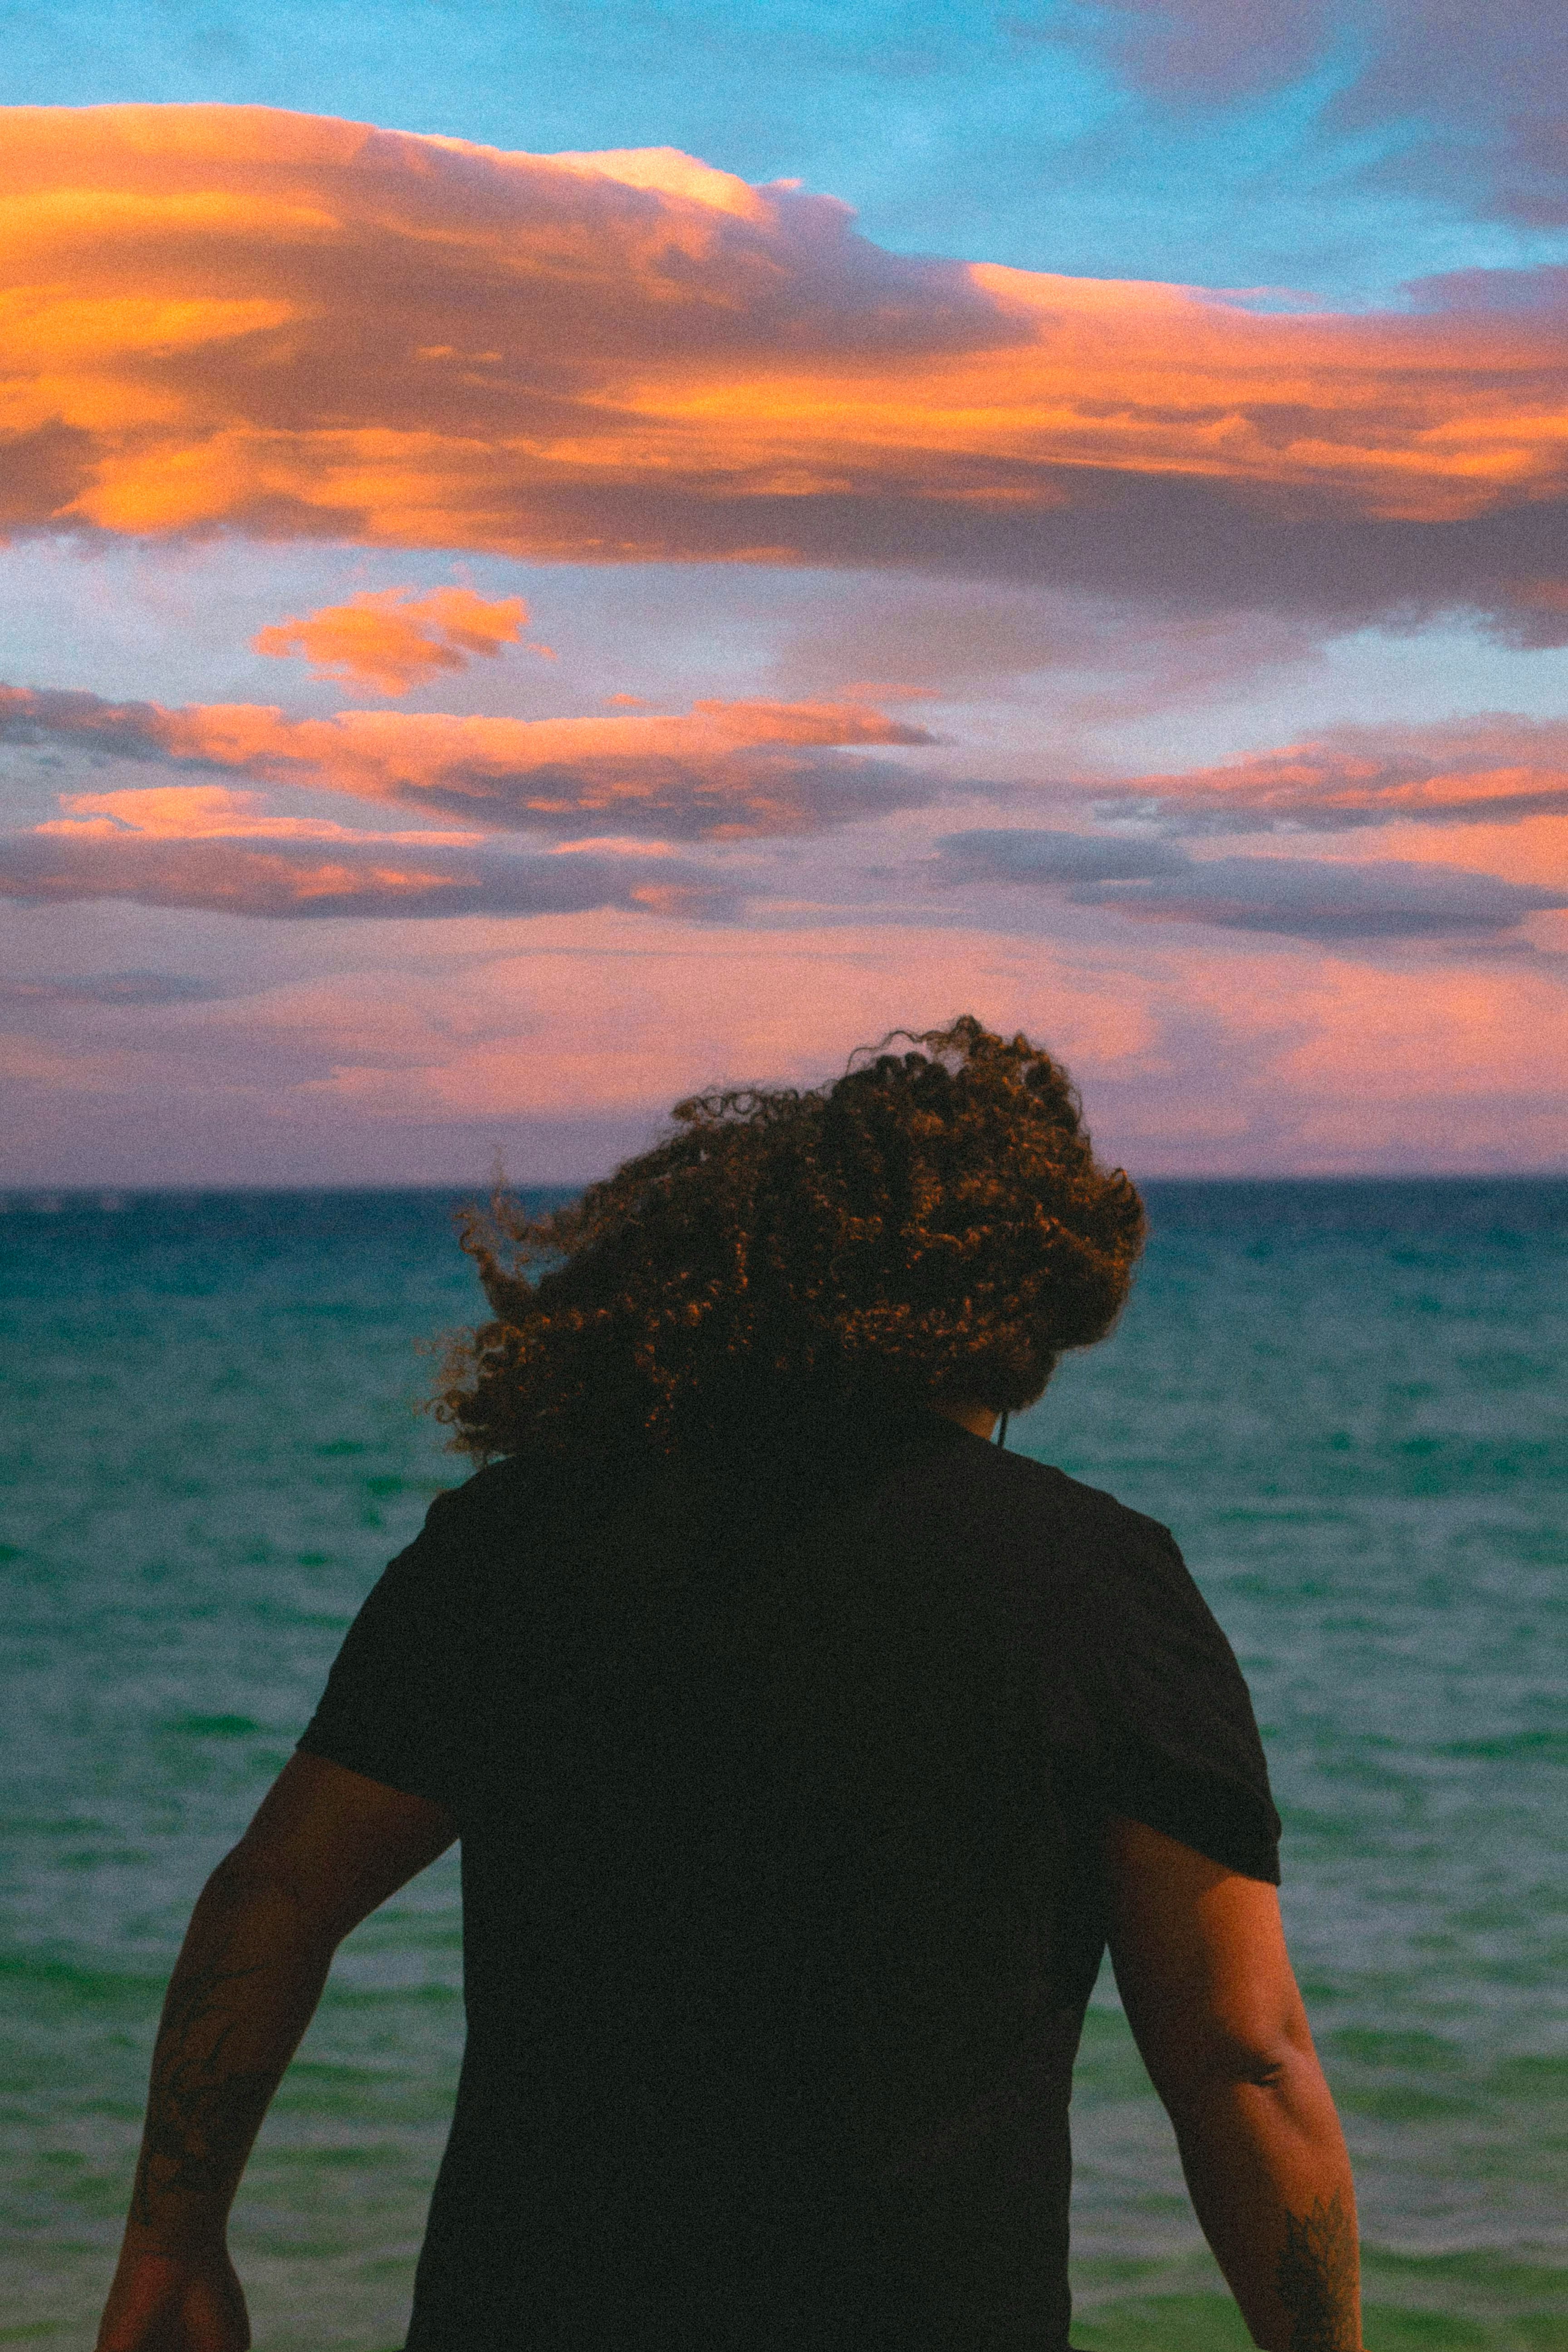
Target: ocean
(1347, 1399)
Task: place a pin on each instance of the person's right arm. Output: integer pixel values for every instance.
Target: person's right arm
(1200, 1960)
(326, 1848)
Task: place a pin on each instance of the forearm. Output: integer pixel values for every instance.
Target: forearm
(245, 1987)
(1270, 2180)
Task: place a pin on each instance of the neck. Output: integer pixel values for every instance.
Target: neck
(980, 1419)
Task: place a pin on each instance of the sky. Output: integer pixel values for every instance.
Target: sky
(556, 557)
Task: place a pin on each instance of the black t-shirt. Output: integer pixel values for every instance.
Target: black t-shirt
(779, 1789)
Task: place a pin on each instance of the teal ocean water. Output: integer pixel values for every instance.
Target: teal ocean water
(1348, 1401)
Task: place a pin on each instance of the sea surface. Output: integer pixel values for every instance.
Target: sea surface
(1347, 1400)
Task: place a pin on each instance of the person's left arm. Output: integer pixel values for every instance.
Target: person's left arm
(327, 1846)
(1201, 1965)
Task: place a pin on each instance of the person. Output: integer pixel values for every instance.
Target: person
(807, 1751)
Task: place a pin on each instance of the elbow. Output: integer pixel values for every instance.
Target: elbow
(1221, 2066)
(1266, 2067)
(236, 1881)
(256, 1900)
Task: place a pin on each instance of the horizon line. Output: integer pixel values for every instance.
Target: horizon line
(103, 1191)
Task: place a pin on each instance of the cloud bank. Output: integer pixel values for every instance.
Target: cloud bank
(616, 792)
(367, 878)
(723, 770)
(1492, 769)
(289, 325)
(1302, 897)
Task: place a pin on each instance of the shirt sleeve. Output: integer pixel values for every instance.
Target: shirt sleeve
(1181, 1750)
(401, 1688)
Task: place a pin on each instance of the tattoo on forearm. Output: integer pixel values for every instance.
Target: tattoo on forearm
(201, 2113)
(1315, 2277)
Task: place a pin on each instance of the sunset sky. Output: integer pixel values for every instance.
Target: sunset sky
(558, 555)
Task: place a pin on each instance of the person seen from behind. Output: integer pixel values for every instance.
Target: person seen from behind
(807, 1751)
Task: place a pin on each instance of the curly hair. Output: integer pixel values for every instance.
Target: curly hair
(933, 1225)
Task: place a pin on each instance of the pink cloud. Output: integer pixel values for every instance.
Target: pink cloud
(235, 317)
(390, 639)
(1491, 769)
(1502, 779)
(56, 866)
(546, 1023)
(562, 1048)
(723, 769)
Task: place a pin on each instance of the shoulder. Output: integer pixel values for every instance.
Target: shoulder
(511, 1511)
(467, 1529)
(1090, 1506)
(1134, 1564)
(492, 1495)
(1037, 1500)
(1066, 1555)
(1114, 1572)
(522, 1491)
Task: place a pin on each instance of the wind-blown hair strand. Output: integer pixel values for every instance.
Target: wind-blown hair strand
(931, 1225)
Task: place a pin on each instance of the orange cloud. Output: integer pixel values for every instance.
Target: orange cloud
(390, 639)
(724, 770)
(215, 316)
(208, 812)
(1493, 768)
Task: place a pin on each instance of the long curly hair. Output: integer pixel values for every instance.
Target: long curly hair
(933, 1225)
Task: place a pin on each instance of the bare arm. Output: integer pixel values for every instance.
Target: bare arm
(1200, 1959)
(326, 1847)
